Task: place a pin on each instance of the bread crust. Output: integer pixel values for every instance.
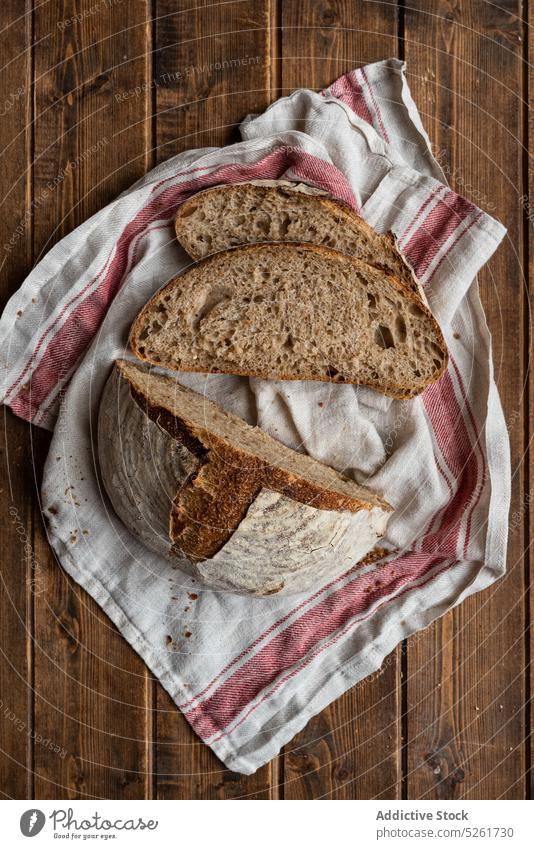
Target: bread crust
(211, 502)
(279, 546)
(401, 392)
(207, 510)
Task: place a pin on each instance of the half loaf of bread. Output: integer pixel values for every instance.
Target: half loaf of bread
(293, 312)
(280, 211)
(236, 507)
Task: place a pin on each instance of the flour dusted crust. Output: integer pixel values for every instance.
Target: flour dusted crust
(333, 541)
(286, 533)
(141, 465)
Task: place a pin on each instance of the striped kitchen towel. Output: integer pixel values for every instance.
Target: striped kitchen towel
(249, 673)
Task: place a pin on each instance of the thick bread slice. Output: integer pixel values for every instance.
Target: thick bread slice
(241, 509)
(266, 211)
(293, 312)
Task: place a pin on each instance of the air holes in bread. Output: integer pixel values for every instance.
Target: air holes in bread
(288, 343)
(334, 375)
(415, 310)
(400, 329)
(284, 226)
(372, 306)
(383, 337)
(188, 210)
(212, 299)
(263, 226)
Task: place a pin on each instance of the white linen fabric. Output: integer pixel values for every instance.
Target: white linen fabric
(249, 673)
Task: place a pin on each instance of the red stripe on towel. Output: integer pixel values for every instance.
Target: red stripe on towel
(348, 89)
(374, 101)
(292, 645)
(439, 225)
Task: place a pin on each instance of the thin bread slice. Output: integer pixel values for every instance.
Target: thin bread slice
(280, 211)
(293, 312)
(196, 482)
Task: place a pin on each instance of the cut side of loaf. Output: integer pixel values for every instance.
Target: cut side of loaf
(226, 216)
(293, 312)
(240, 509)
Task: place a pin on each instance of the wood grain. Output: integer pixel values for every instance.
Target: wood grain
(525, 512)
(91, 689)
(212, 67)
(466, 677)
(322, 40)
(352, 749)
(16, 489)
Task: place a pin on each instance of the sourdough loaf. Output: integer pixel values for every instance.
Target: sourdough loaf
(293, 312)
(225, 500)
(280, 211)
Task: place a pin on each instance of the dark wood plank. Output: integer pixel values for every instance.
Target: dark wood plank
(92, 692)
(525, 514)
(351, 750)
(212, 67)
(466, 687)
(322, 40)
(16, 565)
(187, 769)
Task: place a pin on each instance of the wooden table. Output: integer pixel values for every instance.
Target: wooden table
(449, 714)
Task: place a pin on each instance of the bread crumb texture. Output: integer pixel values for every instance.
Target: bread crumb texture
(293, 312)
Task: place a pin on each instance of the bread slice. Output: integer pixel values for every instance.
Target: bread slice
(267, 211)
(293, 312)
(245, 512)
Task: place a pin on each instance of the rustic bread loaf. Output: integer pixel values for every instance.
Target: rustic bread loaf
(239, 509)
(280, 211)
(293, 312)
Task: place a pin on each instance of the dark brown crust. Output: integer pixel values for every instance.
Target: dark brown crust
(210, 506)
(336, 207)
(374, 555)
(392, 391)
